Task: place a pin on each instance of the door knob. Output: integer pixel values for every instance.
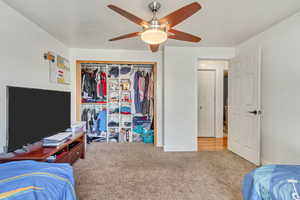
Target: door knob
(255, 112)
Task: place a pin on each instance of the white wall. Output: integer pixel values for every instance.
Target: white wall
(121, 55)
(280, 91)
(180, 93)
(220, 66)
(22, 45)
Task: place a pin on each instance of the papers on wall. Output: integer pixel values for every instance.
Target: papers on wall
(59, 70)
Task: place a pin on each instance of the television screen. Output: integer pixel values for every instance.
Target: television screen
(34, 114)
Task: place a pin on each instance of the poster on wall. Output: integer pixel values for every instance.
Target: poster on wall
(59, 70)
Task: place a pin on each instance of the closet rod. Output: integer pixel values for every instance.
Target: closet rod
(92, 65)
(143, 66)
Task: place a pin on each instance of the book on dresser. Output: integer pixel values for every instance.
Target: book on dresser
(57, 139)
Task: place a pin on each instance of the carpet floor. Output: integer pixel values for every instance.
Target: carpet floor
(140, 171)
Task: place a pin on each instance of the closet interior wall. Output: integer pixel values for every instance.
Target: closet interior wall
(108, 99)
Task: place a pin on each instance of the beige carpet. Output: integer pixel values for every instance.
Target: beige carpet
(142, 172)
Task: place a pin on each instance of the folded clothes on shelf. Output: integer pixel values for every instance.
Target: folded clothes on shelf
(113, 124)
(140, 120)
(127, 124)
(114, 71)
(125, 110)
(137, 137)
(124, 135)
(114, 111)
(125, 70)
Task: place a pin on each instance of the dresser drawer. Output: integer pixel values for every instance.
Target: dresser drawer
(75, 153)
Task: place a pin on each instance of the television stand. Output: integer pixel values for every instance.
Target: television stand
(68, 152)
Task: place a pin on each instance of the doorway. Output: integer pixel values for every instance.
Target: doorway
(212, 101)
(206, 103)
(225, 103)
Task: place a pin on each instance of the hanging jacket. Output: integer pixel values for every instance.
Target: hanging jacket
(103, 83)
(102, 120)
(141, 87)
(94, 84)
(87, 83)
(99, 85)
(137, 102)
(132, 92)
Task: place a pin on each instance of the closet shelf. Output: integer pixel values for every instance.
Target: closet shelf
(86, 103)
(113, 78)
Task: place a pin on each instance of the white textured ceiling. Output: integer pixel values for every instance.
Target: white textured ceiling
(89, 23)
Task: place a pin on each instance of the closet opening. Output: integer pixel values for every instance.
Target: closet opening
(117, 100)
(212, 89)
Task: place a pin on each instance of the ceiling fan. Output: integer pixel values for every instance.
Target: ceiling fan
(157, 31)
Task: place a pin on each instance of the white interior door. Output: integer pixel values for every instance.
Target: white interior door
(206, 103)
(244, 105)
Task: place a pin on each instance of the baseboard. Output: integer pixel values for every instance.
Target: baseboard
(179, 148)
(267, 162)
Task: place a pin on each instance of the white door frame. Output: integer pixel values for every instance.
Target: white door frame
(219, 126)
(215, 124)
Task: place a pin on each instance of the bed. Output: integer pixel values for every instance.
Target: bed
(31, 180)
(272, 182)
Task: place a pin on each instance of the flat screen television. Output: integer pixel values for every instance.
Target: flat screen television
(34, 114)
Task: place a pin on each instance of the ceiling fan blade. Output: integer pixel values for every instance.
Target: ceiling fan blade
(129, 16)
(154, 47)
(181, 14)
(178, 35)
(130, 35)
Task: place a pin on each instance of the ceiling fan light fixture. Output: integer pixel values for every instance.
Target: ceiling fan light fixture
(154, 36)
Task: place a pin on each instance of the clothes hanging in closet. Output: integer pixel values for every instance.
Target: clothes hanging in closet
(143, 93)
(93, 85)
(95, 121)
(102, 120)
(101, 84)
(151, 96)
(137, 101)
(87, 88)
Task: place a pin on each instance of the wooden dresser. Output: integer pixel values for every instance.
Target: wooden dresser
(69, 152)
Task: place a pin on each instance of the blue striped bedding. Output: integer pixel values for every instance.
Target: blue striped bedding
(273, 182)
(31, 180)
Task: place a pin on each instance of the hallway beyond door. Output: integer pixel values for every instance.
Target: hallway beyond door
(212, 144)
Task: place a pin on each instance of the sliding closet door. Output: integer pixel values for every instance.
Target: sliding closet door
(206, 103)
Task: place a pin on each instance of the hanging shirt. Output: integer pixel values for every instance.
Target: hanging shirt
(102, 120)
(103, 83)
(99, 85)
(141, 87)
(132, 92)
(151, 96)
(151, 87)
(87, 84)
(137, 102)
(146, 86)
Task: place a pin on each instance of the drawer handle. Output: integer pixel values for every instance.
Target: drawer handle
(77, 152)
